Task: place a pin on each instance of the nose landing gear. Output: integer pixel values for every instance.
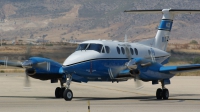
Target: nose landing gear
(68, 94)
(64, 91)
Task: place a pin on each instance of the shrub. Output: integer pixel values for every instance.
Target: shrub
(2, 71)
(196, 60)
(193, 42)
(49, 44)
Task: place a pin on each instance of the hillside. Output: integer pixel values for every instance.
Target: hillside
(61, 20)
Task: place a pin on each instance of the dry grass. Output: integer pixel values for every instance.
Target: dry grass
(12, 70)
(193, 73)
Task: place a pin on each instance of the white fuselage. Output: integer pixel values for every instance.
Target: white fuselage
(143, 52)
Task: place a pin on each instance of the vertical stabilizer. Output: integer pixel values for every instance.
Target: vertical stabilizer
(162, 36)
(161, 39)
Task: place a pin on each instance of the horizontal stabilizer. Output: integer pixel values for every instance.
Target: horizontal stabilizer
(148, 42)
(183, 68)
(175, 11)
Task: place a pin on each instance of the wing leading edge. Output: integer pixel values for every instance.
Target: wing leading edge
(182, 68)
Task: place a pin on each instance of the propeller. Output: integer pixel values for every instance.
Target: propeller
(27, 81)
(25, 64)
(132, 65)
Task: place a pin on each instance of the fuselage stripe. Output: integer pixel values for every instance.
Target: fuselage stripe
(106, 59)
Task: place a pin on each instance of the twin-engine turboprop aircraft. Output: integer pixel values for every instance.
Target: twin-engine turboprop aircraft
(101, 60)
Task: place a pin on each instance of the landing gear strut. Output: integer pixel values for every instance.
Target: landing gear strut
(162, 93)
(60, 90)
(68, 94)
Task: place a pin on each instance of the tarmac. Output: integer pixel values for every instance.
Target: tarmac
(103, 96)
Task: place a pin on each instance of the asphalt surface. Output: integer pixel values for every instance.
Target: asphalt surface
(103, 96)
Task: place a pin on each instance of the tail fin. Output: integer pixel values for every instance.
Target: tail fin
(161, 39)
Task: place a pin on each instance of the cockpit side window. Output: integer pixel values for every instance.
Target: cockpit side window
(103, 50)
(96, 47)
(107, 49)
(81, 47)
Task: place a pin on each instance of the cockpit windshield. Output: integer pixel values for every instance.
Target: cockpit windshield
(82, 47)
(96, 47)
(91, 46)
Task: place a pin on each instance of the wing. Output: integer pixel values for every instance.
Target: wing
(10, 63)
(182, 68)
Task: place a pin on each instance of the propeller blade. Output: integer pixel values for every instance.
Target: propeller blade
(128, 54)
(27, 81)
(138, 84)
(146, 64)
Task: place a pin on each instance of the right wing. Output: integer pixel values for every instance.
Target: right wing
(182, 68)
(10, 63)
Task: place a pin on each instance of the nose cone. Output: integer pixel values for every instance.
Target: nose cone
(72, 59)
(80, 56)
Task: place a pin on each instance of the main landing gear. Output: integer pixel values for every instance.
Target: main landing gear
(60, 90)
(64, 92)
(162, 93)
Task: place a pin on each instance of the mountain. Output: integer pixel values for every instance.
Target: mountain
(92, 19)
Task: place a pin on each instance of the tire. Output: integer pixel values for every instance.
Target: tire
(165, 94)
(57, 92)
(159, 94)
(61, 92)
(68, 95)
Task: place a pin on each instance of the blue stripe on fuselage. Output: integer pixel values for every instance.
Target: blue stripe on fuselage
(96, 68)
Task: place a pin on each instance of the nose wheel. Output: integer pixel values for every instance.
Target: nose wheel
(68, 94)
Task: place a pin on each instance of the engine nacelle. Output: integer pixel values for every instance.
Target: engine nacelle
(30, 71)
(128, 73)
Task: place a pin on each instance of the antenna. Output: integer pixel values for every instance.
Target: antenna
(125, 38)
(1, 39)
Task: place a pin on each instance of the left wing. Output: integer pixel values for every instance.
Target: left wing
(182, 68)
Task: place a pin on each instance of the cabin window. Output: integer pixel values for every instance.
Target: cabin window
(95, 47)
(131, 51)
(136, 51)
(81, 47)
(107, 49)
(118, 50)
(123, 51)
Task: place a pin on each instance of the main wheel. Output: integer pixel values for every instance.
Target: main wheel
(165, 94)
(57, 92)
(68, 95)
(61, 92)
(159, 94)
